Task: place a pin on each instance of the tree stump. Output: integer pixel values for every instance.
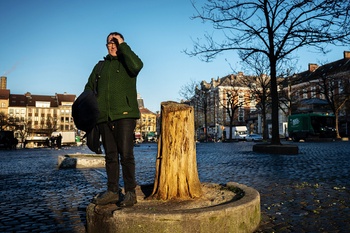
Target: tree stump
(176, 175)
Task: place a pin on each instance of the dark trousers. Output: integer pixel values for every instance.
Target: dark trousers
(118, 139)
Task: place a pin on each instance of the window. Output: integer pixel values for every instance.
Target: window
(305, 94)
(241, 98)
(240, 114)
(42, 104)
(313, 91)
(341, 86)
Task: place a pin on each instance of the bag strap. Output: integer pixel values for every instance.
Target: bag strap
(98, 75)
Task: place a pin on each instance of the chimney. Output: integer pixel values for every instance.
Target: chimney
(312, 67)
(346, 54)
(3, 82)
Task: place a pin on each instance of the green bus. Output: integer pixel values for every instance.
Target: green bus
(311, 125)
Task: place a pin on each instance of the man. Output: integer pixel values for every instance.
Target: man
(118, 107)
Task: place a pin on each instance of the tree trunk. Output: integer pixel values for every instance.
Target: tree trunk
(176, 166)
(231, 125)
(337, 123)
(265, 130)
(275, 138)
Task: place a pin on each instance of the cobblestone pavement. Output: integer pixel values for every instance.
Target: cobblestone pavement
(309, 192)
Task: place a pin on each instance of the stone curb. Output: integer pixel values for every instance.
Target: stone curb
(81, 161)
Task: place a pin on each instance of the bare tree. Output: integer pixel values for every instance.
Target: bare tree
(336, 89)
(22, 129)
(201, 103)
(274, 28)
(3, 120)
(196, 95)
(346, 113)
(51, 124)
(260, 87)
(232, 105)
(188, 91)
(232, 101)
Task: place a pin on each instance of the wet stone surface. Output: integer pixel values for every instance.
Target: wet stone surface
(309, 192)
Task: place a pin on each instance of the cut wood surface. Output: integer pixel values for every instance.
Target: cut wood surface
(176, 166)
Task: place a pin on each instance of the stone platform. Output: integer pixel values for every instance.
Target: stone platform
(237, 213)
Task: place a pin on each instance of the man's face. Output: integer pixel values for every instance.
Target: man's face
(111, 46)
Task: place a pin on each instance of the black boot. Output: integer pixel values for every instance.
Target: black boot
(129, 199)
(105, 198)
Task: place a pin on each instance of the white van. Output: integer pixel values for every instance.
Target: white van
(238, 132)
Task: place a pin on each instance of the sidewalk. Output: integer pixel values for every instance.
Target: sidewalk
(309, 192)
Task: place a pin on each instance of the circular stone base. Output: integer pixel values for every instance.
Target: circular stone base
(285, 149)
(233, 208)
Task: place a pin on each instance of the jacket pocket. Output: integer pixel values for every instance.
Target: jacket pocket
(124, 107)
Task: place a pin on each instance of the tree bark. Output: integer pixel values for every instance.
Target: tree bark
(176, 166)
(275, 137)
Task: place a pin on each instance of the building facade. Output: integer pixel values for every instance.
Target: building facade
(320, 89)
(146, 126)
(33, 118)
(224, 102)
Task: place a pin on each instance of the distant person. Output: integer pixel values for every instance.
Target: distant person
(47, 141)
(14, 143)
(52, 139)
(118, 107)
(59, 141)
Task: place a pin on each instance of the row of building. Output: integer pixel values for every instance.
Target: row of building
(323, 89)
(34, 118)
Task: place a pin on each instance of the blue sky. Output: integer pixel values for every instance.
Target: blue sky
(51, 46)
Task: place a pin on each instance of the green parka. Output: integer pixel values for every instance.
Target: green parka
(116, 88)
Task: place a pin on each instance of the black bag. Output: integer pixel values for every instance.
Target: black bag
(85, 115)
(93, 140)
(85, 111)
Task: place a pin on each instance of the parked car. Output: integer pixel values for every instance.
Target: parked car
(254, 138)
